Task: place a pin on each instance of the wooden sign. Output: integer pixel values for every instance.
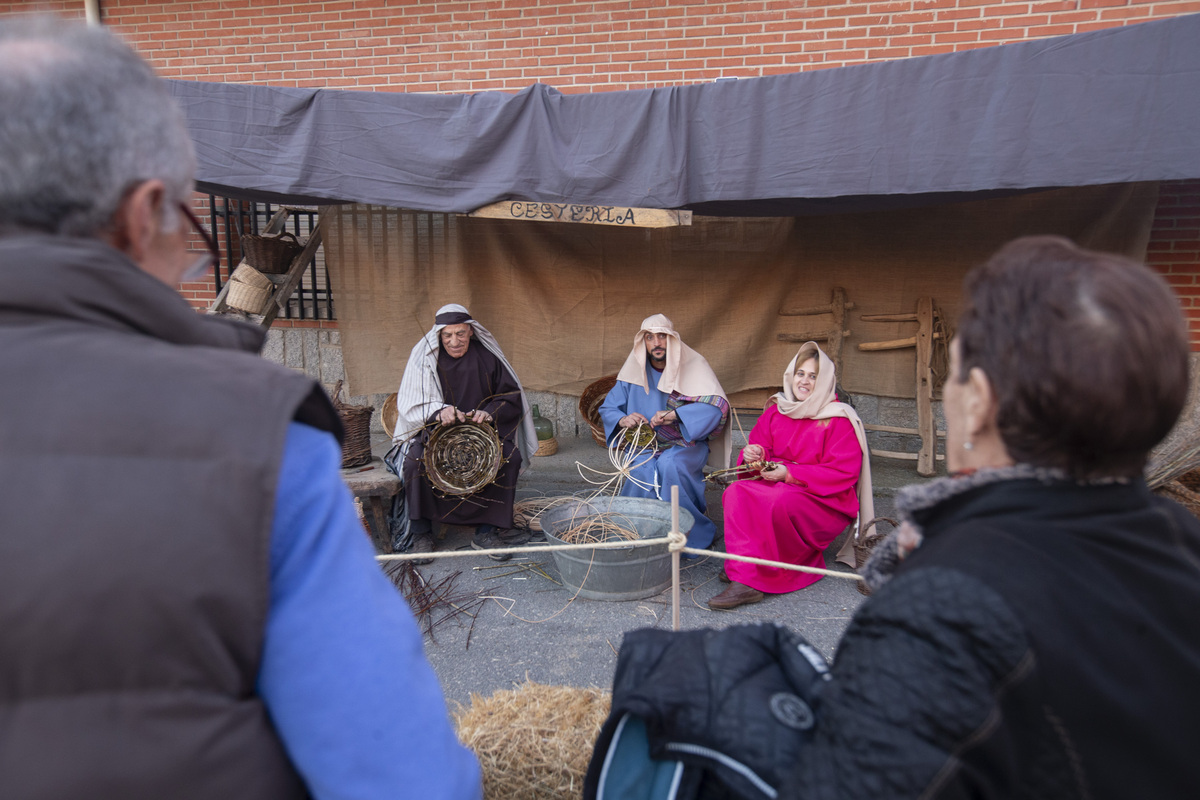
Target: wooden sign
(587, 215)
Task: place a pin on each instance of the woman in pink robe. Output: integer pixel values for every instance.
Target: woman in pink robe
(792, 512)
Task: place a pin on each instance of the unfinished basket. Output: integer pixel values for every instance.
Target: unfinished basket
(590, 402)
(244, 297)
(865, 543)
(270, 253)
(462, 458)
(356, 423)
(250, 276)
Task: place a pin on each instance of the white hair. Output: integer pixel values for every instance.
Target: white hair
(84, 120)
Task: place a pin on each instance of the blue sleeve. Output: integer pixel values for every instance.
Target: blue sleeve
(614, 407)
(344, 675)
(698, 420)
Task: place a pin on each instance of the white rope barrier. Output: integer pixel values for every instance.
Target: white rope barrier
(667, 540)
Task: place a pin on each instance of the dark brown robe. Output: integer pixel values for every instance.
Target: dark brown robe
(478, 380)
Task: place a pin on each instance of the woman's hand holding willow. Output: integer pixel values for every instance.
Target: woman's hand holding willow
(752, 453)
(777, 473)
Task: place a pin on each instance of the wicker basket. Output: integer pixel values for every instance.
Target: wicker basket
(590, 402)
(463, 457)
(250, 276)
(244, 297)
(866, 542)
(547, 447)
(270, 253)
(388, 415)
(356, 422)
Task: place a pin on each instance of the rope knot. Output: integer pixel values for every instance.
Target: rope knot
(676, 541)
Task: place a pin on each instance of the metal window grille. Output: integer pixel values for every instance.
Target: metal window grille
(229, 219)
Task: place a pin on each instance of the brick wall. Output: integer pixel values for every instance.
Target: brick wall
(1174, 247)
(478, 45)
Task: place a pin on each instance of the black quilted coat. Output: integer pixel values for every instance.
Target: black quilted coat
(1042, 642)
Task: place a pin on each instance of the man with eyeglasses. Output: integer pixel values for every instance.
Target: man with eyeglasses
(189, 607)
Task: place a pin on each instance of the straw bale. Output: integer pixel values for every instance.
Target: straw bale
(535, 740)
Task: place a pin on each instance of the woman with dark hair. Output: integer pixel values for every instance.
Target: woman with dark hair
(818, 480)
(1032, 631)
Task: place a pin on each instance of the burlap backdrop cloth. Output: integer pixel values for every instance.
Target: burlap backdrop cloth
(563, 300)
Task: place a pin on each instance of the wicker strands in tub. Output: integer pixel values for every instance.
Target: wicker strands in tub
(866, 542)
(462, 458)
(590, 402)
(270, 253)
(356, 420)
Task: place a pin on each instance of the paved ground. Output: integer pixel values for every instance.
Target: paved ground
(530, 627)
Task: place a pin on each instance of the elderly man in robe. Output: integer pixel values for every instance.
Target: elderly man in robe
(669, 387)
(457, 372)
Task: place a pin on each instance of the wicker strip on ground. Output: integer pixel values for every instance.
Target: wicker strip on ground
(534, 741)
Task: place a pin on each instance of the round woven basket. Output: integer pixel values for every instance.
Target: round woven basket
(388, 414)
(250, 276)
(590, 402)
(462, 458)
(866, 542)
(245, 297)
(547, 447)
(271, 253)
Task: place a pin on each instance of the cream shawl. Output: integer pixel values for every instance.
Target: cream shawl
(821, 404)
(687, 373)
(420, 394)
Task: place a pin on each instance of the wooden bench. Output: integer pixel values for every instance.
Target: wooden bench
(375, 486)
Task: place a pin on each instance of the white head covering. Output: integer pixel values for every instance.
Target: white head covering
(687, 372)
(821, 404)
(420, 392)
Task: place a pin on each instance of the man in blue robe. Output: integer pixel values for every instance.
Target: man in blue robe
(668, 388)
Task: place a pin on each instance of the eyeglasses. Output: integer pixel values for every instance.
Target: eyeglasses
(204, 261)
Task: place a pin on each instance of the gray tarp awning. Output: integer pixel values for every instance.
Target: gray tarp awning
(1113, 106)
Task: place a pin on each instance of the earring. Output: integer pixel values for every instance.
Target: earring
(968, 445)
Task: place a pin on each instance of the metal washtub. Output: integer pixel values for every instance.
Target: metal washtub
(622, 573)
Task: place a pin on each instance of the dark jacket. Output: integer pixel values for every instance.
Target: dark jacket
(1041, 642)
(706, 714)
(139, 448)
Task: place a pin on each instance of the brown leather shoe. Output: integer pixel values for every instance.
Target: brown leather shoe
(421, 543)
(723, 576)
(737, 594)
